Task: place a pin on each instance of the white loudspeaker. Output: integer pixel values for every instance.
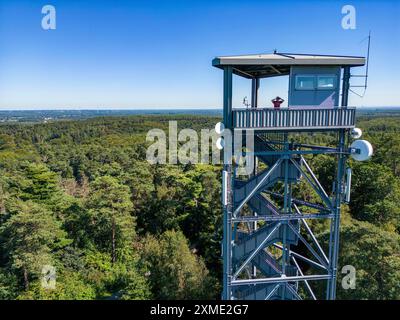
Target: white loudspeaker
(220, 143)
(356, 133)
(219, 128)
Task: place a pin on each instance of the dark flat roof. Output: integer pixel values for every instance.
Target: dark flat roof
(278, 64)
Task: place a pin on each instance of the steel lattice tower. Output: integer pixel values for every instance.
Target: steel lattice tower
(269, 249)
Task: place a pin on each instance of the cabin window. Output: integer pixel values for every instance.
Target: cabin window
(305, 82)
(326, 82)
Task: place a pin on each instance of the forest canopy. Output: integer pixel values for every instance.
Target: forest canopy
(80, 196)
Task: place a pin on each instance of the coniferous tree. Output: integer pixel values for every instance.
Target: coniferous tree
(112, 225)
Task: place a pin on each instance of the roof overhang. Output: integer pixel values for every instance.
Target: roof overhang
(278, 64)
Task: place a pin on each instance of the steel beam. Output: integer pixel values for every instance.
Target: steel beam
(281, 279)
(305, 281)
(282, 217)
(255, 85)
(335, 222)
(320, 192)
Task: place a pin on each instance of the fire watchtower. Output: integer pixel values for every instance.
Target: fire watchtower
(269, 249)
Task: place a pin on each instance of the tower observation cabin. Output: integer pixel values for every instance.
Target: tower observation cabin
(316, 100)
(269, 248)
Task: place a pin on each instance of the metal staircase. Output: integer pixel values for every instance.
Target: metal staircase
(268, 234)
(249, 247)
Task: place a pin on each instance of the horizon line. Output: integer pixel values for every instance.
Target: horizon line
(148, 109)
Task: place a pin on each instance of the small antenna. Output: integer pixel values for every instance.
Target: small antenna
(246, 102)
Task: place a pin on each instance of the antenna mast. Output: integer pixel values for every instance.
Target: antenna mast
(365, 86)
(367, 67)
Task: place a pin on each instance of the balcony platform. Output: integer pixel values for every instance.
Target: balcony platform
(288, 119)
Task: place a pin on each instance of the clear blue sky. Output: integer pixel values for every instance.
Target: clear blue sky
(150, 54)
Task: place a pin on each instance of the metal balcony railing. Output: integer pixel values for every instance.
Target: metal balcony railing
(294, 119)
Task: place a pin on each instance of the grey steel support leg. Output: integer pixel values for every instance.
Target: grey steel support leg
(335, 224)
(227, 239)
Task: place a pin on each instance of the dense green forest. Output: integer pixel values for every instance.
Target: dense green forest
(80, 196)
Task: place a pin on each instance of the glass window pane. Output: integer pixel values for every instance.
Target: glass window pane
(305, 82)
(326, 82)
